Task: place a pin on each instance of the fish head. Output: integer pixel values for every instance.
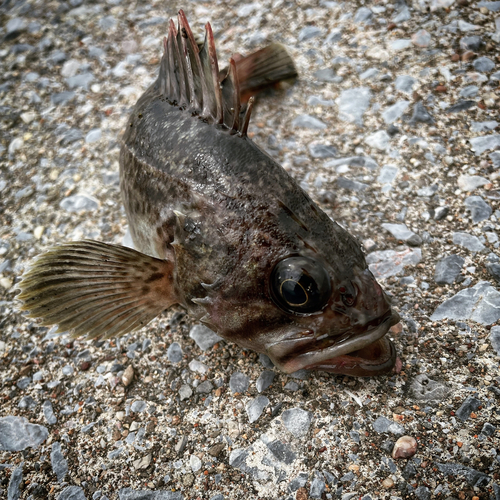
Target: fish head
(304, 315)
(335, 324)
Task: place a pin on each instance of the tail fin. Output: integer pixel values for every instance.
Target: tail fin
(263, 69)
(190, 77)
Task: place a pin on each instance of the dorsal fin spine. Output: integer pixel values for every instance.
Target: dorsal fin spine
(214, 66)
(183, 100)
(236, 95)
(190, 78)
(195, 63)
(246, 120)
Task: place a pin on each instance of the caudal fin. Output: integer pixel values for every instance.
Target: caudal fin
(263, 69)
(97, 290)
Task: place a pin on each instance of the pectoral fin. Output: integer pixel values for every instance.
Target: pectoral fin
(97, 290)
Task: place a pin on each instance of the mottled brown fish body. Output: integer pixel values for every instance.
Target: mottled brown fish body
(230, 234)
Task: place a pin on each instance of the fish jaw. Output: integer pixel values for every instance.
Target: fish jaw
(360, 355)
(348, 337)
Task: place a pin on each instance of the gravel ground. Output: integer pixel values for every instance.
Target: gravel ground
(393, 127)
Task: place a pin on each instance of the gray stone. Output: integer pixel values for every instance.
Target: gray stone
(483, 64)
(423, 493)
(14, 27)
(363, 15)
(185, 392)
(495, 339)
(291, 386)
(174, 353)
(400, 44)
(297, 421)
(72, 493)
(70, 136)
(495, 158)
(420, 115)
(23, 382)
(428, 190)
(394, 112)
(494, 270)
(353, 161)
(485, 143)
(195, 463)
(308, 121)
(448, 269)
(80, 81)
(488, 429)
(27, 403)
(383, 424)
(309, 32)
(322, 151)
(327, 75)
(441, 212)
(379, 140)
(470, 405)
(205, 387)
(255, 408)
(421, 38)
(468, 241)
(402, 13)
(481, 303)
(67, 370)
(344, 183)
(483, 126)
(265, 361)
(473, 43)
(198, 366)
(130, 494)
(401, 232)
(204, 337)
(265, 380)
(318, 101)
(385, 263)
(93, 135)
(238, 382)
(62, 97)
(353, 103)
(13, 491)
(388, 174)
(138, 406)
(491, 6)
(318, 486)
(48, 412)
(58, 462)
(369, 74)
(460, 106)
(473, 477)
(282, 452)
(17, 434)
(478, 208)
(334, 36)
(469, 91)
(423, 388)
(79, 203)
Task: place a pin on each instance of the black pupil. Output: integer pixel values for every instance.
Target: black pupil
(293, 293)
(300, 285)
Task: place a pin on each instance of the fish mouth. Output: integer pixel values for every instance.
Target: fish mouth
(363, 354)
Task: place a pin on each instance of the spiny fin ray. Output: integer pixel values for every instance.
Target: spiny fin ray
(190, 76)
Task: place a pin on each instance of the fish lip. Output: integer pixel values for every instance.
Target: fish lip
(324, 359)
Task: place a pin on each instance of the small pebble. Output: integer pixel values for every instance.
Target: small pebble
(405, 447)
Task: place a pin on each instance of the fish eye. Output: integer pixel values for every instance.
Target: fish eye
(300, 285)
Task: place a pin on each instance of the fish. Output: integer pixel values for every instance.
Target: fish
(220, 229)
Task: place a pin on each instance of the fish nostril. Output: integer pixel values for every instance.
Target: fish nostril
(348, 292)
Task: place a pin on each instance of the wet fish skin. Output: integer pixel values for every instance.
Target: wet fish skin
(203, 198)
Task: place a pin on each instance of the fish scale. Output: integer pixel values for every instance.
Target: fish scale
(221, 229)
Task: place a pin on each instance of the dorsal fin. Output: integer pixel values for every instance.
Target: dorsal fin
(190, 77)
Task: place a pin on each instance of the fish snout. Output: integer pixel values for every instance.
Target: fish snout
(362, 299)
